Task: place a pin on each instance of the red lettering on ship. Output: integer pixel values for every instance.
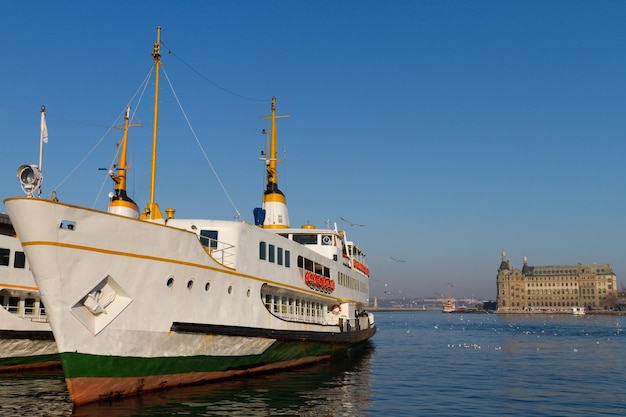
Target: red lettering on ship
(319, 282)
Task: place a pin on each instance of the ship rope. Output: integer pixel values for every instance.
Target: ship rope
(140, 91)
(199, 74)
(238, 216)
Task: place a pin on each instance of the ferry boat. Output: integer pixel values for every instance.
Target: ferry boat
(139, 301)
(26, 340)
(449, 306)
(578, 311)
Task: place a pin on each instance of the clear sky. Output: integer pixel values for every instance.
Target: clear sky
(452, 130)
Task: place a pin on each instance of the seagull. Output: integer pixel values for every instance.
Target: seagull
(397, 260)
(350, 223)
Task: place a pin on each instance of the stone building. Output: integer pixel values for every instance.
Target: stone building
(555, 289)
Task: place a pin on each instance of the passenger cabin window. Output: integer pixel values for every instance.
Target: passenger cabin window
(29, 306)
(209, 238)
(271, 253)
(14, 304)
(4, 256)
(262, 251)
(20, 260)
(306, 239)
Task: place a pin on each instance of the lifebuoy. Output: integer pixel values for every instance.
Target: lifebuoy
(336, 309)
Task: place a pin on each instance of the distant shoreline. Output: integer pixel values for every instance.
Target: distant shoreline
(542, 313)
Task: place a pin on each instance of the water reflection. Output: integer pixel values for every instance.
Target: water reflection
(335, 388)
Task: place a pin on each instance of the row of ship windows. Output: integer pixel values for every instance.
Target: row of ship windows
(207, 286)
(19, 260)
(277, 254)
(28, 308)
(274, 254)
(352, 283)
(295, 309)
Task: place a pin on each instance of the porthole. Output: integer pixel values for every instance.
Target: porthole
(207, 286)
(170, 282)
(230, 289)
(248, 293)
(190, 284)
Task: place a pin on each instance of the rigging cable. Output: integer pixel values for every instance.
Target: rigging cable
(132, 117)
(238, 216)
(169, 51)
(105, 133)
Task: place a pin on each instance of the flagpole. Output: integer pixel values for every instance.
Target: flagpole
(44, 135)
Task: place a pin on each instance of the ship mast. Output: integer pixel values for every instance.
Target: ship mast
(152, 211)
(274, 201)
(120, 202)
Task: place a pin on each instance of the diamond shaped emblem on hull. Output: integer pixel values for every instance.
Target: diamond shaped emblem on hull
(101, 304)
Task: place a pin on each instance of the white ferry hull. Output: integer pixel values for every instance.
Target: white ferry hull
(137, 306)
(26, 340)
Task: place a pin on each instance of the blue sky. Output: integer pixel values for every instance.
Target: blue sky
(453, 130)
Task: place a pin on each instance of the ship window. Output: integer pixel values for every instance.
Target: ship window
(14, 304)
(4, 256)
(20, 260)
(248, 292)
(230, 289)
(67, 225)
(29, 306)
(307, 239)
(272, 253)
(207, 286)
(288, 259)
(209, 238)
(170, 282)
(279, 256)
(262, 250)
(190, 284)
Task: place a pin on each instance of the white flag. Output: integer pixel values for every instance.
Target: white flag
(44, 128)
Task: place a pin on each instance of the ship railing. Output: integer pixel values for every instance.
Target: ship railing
(33, 314)
(222, 252)
(361, 322)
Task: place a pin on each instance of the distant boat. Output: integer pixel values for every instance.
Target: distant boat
(139, 301)
(578, 311)
(449, 306)
(26, 340)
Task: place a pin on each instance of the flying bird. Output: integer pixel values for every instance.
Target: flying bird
(397, 260)
(350, 223)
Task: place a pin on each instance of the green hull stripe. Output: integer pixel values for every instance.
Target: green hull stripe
(29, 360)
(77, 365)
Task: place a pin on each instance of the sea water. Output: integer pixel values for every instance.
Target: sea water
(418, 364)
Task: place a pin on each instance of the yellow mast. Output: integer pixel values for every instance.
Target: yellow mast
(152, 211)
(274, 201)
(120, 203)
(120, 178)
